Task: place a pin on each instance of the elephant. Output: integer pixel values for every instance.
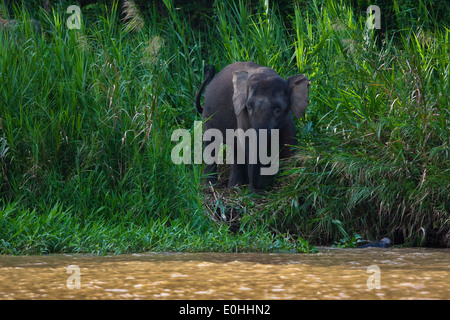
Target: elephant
(245, 95)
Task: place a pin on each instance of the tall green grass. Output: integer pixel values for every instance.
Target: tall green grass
(86, 118)
(373, 157)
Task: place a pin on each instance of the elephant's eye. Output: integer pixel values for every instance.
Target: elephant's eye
(277, 112)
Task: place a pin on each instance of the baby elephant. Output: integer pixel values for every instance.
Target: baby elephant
(257, 100)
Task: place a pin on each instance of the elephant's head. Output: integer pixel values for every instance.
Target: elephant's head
(267, 99)
(264, 100)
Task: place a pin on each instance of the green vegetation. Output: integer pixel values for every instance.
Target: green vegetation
(86, 118)
(348, 242)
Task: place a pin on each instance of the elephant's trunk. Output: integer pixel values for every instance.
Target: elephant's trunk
(261, 172)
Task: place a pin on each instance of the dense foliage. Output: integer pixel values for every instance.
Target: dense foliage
(86, 118)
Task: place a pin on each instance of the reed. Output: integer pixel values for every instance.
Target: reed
(86, 118)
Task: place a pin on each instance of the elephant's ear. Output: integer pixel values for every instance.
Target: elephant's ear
(240, 78)
(299, 85)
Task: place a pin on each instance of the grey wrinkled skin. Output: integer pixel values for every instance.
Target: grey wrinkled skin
(246, 95)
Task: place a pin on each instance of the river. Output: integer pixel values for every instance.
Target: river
(396, 273)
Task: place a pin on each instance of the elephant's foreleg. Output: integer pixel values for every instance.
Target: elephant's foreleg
(238, 175)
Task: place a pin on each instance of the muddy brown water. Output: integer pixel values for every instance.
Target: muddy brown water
(396, 273)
